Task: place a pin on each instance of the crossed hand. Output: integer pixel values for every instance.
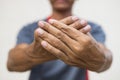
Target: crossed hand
(68, 40)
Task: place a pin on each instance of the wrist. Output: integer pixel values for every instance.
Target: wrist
(102, 68)
(31, 51)
(107, 58)
(38, 52)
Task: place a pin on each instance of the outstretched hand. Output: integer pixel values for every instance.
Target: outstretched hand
(72, 46)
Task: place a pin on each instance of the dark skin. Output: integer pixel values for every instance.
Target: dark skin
(76, 49)
(23, 57)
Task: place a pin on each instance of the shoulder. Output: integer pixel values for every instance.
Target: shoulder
(94, 25)
(28, 30)
(97, 32)
(30, 26)
(26, 33)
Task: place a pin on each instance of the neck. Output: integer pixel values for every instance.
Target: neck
(60, 15)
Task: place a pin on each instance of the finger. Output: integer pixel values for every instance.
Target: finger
(56, 52)
(76, 23)
(60, 35)
(57, 33)
(54, 42)
(70, 31)
(79, 24)
(69, 20)
(86, 29)
(36, 35)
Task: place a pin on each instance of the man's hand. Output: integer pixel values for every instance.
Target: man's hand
(72, 46)
(40, 52)
(24, 56)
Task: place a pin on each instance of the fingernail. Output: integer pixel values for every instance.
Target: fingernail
(83, 22)
(88, 27)
(44, 43)
(51, 21)
(40, 31)
(74, 18)
(41, 23)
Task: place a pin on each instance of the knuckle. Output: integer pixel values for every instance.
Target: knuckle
(66, 29)
(47, 26)
(77, 23)
(56, 42)
(87, 41)
(59, 35)
(59, 25)
(49, 48)
(77, 48)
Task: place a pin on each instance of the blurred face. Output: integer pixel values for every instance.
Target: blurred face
(62, 5)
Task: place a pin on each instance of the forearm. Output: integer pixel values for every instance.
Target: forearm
(108, 58)
(22, 58)
(104, 60)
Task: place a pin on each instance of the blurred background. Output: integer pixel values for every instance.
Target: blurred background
(14, 14)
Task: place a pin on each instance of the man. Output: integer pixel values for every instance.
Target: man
(60, 49)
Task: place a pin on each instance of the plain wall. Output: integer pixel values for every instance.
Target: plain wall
(16, 13)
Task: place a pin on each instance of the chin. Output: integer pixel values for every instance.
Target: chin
(61, 7)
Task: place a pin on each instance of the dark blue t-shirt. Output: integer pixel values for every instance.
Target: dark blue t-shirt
(57, 69)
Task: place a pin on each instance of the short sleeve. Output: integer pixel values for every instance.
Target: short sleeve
(98, 33)
(26, 34)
